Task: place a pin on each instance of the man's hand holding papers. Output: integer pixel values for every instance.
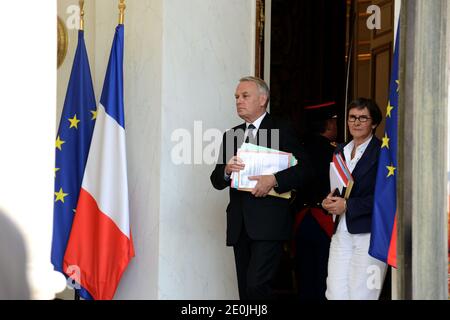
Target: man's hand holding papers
(260, 165)
(234, 165)
(264, 184)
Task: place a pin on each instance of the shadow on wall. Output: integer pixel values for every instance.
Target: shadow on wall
(13, 262)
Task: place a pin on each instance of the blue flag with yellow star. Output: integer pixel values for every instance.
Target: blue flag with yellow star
(72, 146)
(383, 241)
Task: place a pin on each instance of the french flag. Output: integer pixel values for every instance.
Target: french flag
(100, 243)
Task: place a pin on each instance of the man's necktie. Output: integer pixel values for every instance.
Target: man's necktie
(250, 135)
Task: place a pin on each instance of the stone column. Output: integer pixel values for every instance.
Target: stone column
(422, 187)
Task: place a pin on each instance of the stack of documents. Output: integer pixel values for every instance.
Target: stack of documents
(340, 176)
(260, 161)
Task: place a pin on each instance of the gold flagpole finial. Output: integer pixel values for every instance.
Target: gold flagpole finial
(81, 14)
(122, 7)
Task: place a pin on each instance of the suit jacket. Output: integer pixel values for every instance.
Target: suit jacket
(265, 218)
(360, 202)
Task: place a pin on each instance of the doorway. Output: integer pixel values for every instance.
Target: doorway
(309, 48)
(322, 51)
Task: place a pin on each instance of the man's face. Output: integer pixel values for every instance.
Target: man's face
(250, 103)
(331, 129)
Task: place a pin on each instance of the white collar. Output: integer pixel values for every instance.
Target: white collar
(359, 150)
(364, 145)
(257, 122)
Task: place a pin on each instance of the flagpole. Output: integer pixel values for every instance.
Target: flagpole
(81, 3)
(351, 35)
(122, 7)
(81, 14)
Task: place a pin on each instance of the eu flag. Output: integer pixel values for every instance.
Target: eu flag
(383, 241)
(72, 146)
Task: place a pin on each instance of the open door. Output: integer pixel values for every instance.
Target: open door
(371, 51)
(320, 51)
(306, 67)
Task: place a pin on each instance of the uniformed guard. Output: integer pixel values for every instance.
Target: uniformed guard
(313, 226)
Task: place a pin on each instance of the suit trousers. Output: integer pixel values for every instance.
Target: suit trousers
(352, 273)
(256, 264)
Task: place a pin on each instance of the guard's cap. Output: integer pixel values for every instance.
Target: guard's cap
(321, 112)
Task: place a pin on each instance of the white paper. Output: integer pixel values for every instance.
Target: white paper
(260, 163)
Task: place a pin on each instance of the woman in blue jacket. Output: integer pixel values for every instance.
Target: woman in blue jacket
(352, 273)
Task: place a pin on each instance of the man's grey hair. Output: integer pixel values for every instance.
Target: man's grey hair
(260, 83)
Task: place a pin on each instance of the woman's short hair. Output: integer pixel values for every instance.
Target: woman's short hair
(374, 110)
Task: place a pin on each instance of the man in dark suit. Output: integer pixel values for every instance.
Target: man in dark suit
(313, 226)
(258, 224)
